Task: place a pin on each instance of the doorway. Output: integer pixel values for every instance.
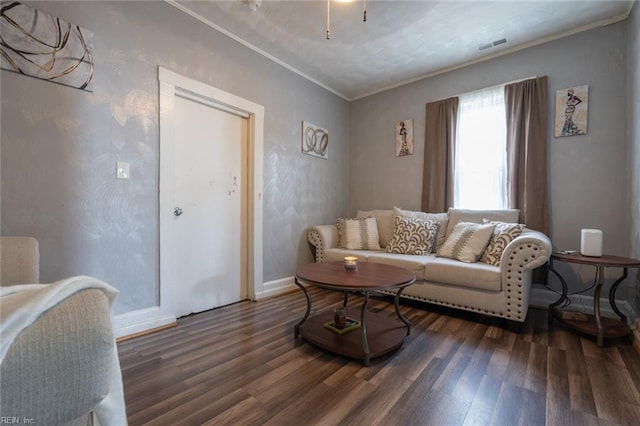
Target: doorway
(210, 196)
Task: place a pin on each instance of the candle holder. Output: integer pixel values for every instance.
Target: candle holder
(351, 263)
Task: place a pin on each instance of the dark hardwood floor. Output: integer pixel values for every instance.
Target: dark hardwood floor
(241, 365)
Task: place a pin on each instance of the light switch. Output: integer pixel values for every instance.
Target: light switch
(122, 170)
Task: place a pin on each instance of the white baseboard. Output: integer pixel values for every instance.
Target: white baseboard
(276, 287)
(147, 319)
(141, 320)
(542, 297)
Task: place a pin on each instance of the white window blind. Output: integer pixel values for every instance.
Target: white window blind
(481, 163)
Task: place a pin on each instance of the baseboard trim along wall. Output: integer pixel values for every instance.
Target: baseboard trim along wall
(542, 297)
(277, 287)
(142, 320)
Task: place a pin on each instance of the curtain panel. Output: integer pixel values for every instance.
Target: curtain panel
(439, 142)
(526, 110)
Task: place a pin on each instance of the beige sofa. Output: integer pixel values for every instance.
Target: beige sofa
(500, 291)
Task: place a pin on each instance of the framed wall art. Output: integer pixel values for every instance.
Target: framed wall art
(315, 140)
(572, 107)
(404, 138)
(45, 47)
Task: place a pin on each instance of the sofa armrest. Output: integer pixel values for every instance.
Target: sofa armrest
(322, 237)
(526, 252)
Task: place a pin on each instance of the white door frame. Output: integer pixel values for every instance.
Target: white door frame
(170, 85)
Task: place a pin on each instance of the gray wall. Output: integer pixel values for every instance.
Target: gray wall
(634, 135)
(60, 146)
(588, 174)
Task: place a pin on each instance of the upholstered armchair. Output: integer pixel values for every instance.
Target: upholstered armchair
(58, 357)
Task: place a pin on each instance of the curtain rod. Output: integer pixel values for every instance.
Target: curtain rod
(485, 88)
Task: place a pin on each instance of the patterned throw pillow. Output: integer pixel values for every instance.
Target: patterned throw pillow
(467, 241)
(503, 234)
(412, 236)
(440, 218)
(358, 234)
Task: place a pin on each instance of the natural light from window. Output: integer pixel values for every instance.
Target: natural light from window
(480, 159)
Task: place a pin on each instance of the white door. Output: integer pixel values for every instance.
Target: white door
(209, 217)
(211, 170)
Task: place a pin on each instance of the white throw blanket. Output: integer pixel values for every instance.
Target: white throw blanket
(21, 305)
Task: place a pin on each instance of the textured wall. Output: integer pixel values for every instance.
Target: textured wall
(634, 135)
(588, 174)
(60, 147)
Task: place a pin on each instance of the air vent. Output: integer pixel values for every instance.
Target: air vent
(485, 46)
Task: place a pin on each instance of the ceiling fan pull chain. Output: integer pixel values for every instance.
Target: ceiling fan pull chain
(328, 10)
(364, 12)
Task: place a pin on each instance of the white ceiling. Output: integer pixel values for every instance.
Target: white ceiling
(401, 41)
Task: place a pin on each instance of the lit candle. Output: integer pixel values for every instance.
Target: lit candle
(351, 263)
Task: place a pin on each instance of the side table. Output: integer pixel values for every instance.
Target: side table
(595, 325)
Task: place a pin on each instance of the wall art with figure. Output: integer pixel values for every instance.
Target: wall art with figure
(404, 138)
(572, 107)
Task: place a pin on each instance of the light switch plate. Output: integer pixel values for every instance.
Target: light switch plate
(122, 170)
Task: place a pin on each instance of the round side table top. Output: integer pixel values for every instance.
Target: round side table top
(604, 260)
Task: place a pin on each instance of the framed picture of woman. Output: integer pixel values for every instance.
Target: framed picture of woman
(404, 138)
(572, 106)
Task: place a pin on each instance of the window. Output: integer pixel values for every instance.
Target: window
(480, 176)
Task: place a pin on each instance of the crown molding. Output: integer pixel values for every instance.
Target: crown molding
(256, 49)
(576, 30)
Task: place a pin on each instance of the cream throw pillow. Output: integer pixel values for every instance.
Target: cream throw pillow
(467, 241)
(477, 216)
(412, 236)
(358, 234)
(384, 218)
(440, 218)
(503, 234)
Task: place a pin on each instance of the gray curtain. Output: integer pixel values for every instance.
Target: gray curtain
(439, 142)
(526, 109)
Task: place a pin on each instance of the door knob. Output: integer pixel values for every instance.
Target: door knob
(177, 211)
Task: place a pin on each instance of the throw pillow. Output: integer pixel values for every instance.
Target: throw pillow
(384, 218)
(467, 241)
(440, 218)
(503, 234)
(412, 236)
(476, 216)
(358, 234)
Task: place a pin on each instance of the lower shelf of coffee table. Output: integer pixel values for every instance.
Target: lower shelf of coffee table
(384, 334)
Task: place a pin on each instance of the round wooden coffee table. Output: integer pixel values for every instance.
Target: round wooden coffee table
(378, 334)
